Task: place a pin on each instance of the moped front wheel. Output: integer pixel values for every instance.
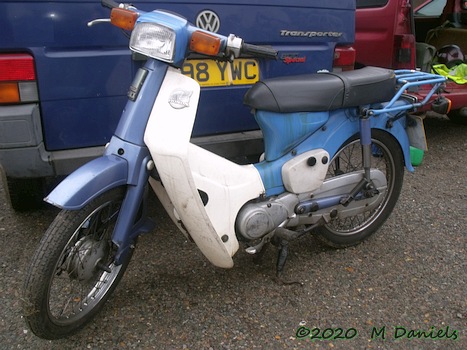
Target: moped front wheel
(72, 272)
(386, 157)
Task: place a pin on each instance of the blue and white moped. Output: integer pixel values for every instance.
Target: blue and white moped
(335, 147)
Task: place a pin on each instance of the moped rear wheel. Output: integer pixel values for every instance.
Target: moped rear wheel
(72, 272)
(386, 157)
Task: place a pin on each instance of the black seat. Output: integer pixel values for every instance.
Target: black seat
(322, 91)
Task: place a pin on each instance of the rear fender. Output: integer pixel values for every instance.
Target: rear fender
(344, 128)
(350, 127)
(89, 181)
(398, 130)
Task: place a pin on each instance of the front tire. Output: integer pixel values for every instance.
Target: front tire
(72, 273)
(388, 158)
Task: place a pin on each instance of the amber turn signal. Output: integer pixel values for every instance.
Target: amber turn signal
(124, 19)
(205, 43)
(9, 93)
(441, 105)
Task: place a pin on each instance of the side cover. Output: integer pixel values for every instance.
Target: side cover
(205, 190)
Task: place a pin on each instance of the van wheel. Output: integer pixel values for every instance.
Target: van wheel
(25, 194)
(459, 116)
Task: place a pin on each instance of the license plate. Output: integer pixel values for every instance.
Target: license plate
(216, 73)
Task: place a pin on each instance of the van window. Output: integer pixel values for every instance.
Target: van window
(371, 3)
(431, 8)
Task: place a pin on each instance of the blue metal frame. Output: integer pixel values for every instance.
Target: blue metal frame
(343, 124)
(123, 163)
(125, 152)
(408, 79)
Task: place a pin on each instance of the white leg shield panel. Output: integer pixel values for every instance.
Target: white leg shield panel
(185, 168)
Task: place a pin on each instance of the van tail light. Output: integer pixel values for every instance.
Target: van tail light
(344, 58)
(404, 52)
(17, 79)
(441, 105)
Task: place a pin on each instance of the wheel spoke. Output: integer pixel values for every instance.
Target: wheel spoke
(349, 159)
(79, 296)
(67, 283)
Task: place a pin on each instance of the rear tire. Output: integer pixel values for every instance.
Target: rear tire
(72, 273)
(388, 158)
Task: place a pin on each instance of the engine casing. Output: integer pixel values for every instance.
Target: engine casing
(257, 219)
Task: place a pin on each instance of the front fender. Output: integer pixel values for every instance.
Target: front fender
(89, 181)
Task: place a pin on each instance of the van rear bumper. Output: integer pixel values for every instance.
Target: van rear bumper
(23, 153)
(22, 149)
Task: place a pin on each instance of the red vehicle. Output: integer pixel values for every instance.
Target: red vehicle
(409, 34)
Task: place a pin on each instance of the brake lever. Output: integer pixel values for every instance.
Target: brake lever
(112, 5)
(98, 21)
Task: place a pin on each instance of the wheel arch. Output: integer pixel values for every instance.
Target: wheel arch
(347, 129)
(400, 135)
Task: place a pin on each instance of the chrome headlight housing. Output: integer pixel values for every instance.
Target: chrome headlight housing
(154, 40)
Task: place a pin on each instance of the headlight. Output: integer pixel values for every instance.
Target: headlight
(153, 40)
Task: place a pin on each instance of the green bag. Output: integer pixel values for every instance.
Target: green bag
(457, 73)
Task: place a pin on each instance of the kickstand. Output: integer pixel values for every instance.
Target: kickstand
(281, 259)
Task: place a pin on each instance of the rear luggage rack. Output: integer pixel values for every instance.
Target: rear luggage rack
(407, 79)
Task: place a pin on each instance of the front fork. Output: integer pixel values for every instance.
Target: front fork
(129, 143)
(133, 219)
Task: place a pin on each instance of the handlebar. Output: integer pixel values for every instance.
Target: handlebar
(110, 4)
(259, 51)
(234, 46)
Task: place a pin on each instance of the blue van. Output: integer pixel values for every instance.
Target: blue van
(63, 85)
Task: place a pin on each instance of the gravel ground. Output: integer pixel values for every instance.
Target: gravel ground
(410, 276)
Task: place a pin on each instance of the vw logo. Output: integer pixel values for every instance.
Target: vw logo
(208, 20)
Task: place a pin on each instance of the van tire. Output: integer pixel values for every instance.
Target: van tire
(25, 194)
(459, 116)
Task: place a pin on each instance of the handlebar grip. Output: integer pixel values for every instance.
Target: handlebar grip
(259, 51)
(110, 4)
